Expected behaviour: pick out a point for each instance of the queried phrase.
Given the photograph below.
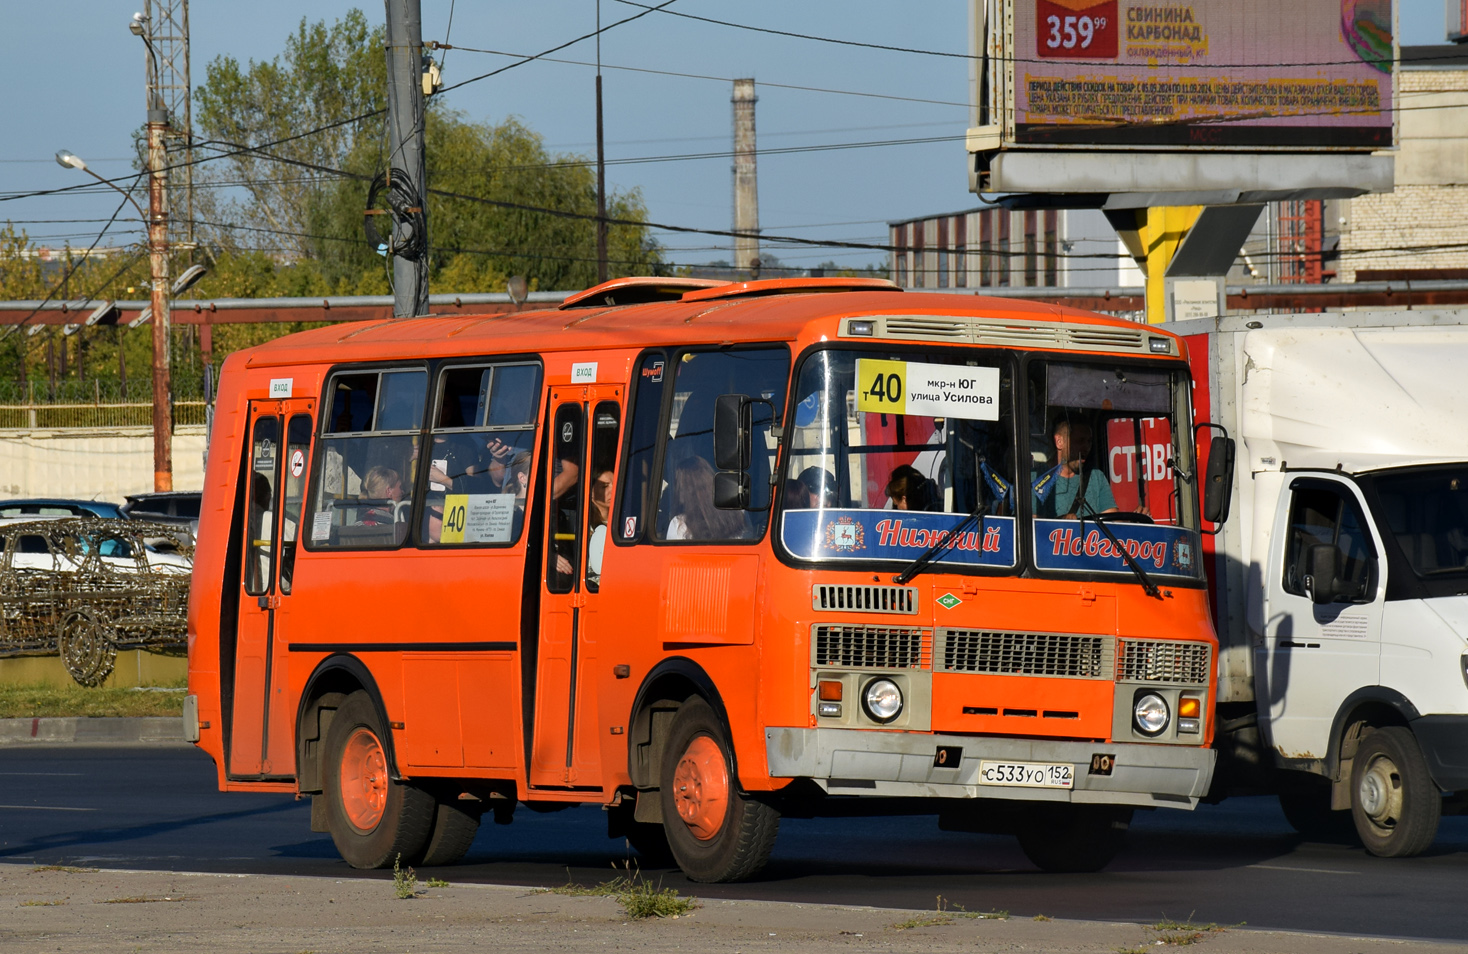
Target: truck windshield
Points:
(891, 452)
(1427, 511)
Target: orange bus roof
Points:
(759, 311)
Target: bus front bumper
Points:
(906, 765)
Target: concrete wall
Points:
(1429, 207)
(93, 464)
(134, 667)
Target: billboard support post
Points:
(1153, 236)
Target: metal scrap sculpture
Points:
(85, 588)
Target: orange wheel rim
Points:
(364, 779)
(701, 788)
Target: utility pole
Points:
(406, 170)
(601, 168)
(168, 29)
(746, 180)
(158, 258)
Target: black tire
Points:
(742, 842)
(407, 812)
(1305, 801)
(1064, 838)
(85, 643)
(1394, 801)
(454, 828)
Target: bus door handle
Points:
(268, 602)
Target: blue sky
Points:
(75, 76)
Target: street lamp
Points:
(70, 160)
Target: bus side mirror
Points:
(732, 438)
(731, 490)
(1218, 486)
(1322, 579)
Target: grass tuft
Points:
(436, 883)
(1042, 917)
(1172, 933)
(141, 899)
(43, 904)
(38, 700)
(404, 882)
(944, 914)
(638, 897)
(69, 869)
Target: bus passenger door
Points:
(262, 733)
(585, 427)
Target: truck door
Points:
(1314, 655)
(261, 730)
(577, 477)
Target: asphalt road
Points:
(156, 807)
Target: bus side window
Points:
(369, 459)
(642, 438)
(606, 426)
(686, 506)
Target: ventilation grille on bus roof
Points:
(865, 598)
(1004, 332)
(1025, 654)
(1171, 661)
(871, 647)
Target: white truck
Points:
(1340, 573)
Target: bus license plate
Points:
(1027, 774)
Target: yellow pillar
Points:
(1153, 242)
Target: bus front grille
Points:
(1169, 661)
(872, 647)
(1025, 654)
(865, 598)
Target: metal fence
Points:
(47, 416)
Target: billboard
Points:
(1224, 74)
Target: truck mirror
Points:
(1323, 571)
(731, 490)
(1218, 486)
(732, 437)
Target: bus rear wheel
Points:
(1064, 838)
(714, 832)
(373, 818)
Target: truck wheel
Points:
(713, 831)
(1394, 801)
(1063, 838)
(453, 832)
(372, 818)
(1305, 802)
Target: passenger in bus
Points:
(1071, 487)
(517, 481)
(695, 516)
(797, 497)
(908, 489)
(598, 519)
(456, 465)
(820, 485)
(382, 488)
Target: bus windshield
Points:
(891, 453)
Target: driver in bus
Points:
(1060, 491)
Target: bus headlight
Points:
(882, 700)
(1150, 714)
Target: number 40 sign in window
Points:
(927, 390)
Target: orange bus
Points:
(707, 554)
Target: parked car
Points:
(178, 507)
(53, 507)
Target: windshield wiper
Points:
(921, 563)
(1148, 586)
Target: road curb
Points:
(93, 730)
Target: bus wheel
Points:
(372, 818)
(1394, 801)
(453, 832)
(713, 831)
(1073, 838)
